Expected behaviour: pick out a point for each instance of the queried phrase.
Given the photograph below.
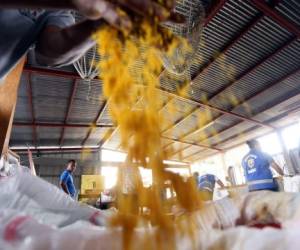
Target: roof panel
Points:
(74, 136)
(290, 10)
(50, 97)
(48, 136)
(96, 136)
(87, 102)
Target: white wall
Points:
(211, 165)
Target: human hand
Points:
(116, 12)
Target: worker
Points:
(196, 177)
(257, 170)
(206, 186)
(57, 39)
(231, 176)
(66, 179)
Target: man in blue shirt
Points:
(257, 170)
(206, 184)
(66, 179)
(49, 26)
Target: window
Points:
(110, 176)
(291, 136)
(180, 171)
(270, 144)
(212, 165)
(112, 156)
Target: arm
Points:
(276, 167)
(64, 187)
(95, 9)
(65, 4)
(62, 182)
(56, 46)
(220, 183)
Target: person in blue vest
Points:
(206, 185)
(66, 179)
(257, 168)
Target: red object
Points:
(263, 225)
(93, 217)
(10, 231)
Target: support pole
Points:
(8, 99)
(286, 154)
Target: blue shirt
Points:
(20, 30)
(257, 170)
(67, 178)
(207, 182)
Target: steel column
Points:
(69, 108)
(60, 125)
(102, 108)
(31, 108)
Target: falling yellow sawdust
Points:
(140, 129)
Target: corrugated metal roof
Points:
(48, 136)
(74, 136)
(50, 97)
(23, 112)
(96, 136)
(290, 10)
(87, 102)
(229, 21)
(260, 94)
(21, 136)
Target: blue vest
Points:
(207, 182)
(256, 166)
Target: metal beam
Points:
(106, 138)
(205, 157)
(241, 76)
(294, 72)
(244, 74)
(257, 94)
(191, 155)
(192, 144)
(228, 46)
(209, 106)
(100, 112)
(31, 108)
(69, 108)
(273, 14)
(206, 67)
(214, 12)
(180, 150)
(51, 72)
(256, 137)
(58, 149)
(254, 67)
(60, 125)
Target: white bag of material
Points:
(219, 214)
(16, 226)
(44, 201)
(83, 237)
(292, 184)
(283, 206)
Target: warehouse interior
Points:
(244, 79)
